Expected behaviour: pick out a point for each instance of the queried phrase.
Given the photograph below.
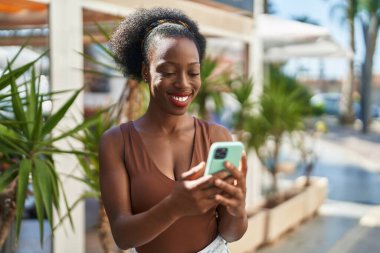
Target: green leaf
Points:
(66, 204)
(44, 178)
(69, 209)
(7, 177)
(31, 98)
(103, 31)
(51, 151)
(85, 124)
(22, 187)
(101, 73)
(52, 121)
(7, 77)
(18, 107)
(12, 145)
(55, 187)
(39, 204)
(37, 126)
(97, 62)
(104, 49)
(9, 65)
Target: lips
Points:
(180, 99)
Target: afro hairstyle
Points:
(135, 36)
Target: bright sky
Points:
(319, 10)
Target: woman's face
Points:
(173, 74)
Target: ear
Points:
(145, 73)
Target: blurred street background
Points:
(298, 82)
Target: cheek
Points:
(157, 85)
(197, 84)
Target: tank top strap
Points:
(202, 141)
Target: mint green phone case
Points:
(215, 160)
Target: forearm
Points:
(136, 230)
(232, 228)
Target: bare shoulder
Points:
(112, 133)
(112, 139)
(219, 133)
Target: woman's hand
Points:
(195, 193)
(233, 197)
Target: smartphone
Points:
(221, 152)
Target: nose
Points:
(182, 80)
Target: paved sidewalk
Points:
(349, 221)
(324, 232)
(364, 237)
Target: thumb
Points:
(195, 172)
(244, 166)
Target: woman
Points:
(151, 169)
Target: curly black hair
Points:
(137, 33)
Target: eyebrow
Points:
(174, 63)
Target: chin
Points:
(178, 112)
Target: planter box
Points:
(317, 193)
(267, 225)
(292, 212)
(285, 216)
(254, 236)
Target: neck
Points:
(155, 119)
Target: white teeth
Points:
(180, 99)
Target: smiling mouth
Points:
(180, 100)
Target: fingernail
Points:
(218, 182)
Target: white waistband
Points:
(219, 245)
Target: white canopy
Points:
(322, 47)
(285, 39)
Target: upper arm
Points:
(113, 177)
(219, 133)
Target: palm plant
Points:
(214, 82)
(27, 147)
(241, 89)
(350, 10)
(90, 138)
(282, 107)
(369, 16)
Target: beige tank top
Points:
(148, 186)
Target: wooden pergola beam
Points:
(212, 21)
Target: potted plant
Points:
(281, 110)
(314, 187)
(241, 89)
(27, 147)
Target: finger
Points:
(201, 183)
(228, 202)
(230, 180)
(211, 192)
(243, 164)
(194, 173)
(229, 189)
(222, 174)
(238, 175)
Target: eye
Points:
(194, 74)
(168, 74)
